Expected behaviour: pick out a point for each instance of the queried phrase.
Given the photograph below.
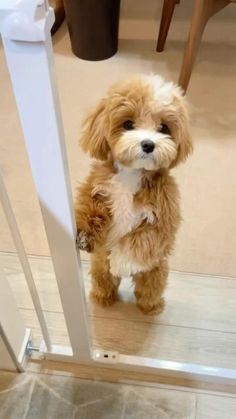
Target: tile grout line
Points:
(54, 392)
(14, 387)
(122, 416)
(32, 385)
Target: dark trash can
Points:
(93, 26)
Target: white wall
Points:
(6, 362)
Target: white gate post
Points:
(25, 27)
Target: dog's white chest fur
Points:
(124, 185)
(126, 216)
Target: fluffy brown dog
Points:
(127, 211)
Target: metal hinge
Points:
(33, 351)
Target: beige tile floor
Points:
(206, 241)
(31, 396)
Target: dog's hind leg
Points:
(104, 285)
(149, 287)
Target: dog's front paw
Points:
(149, 307)
(84, 241)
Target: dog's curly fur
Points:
(127, 211)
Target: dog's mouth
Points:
(145, 156)
(145, 161)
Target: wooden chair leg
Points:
(167, 13)
(203, 10)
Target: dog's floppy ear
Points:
(183, 136)
(94, 128)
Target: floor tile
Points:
(38, 396)
(15, 394)
(215, 407)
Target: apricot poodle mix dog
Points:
(127, 211)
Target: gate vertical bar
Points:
(6, 205)
(12, 329)
(28, 48)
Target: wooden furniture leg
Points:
(167, 13)
(203, 10)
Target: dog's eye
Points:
(164, 129)
(128, 125)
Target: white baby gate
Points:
(25, 28)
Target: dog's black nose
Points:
(147, 146)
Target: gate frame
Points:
(25, 27)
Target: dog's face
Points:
(141, 124)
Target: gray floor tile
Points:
(46, 403)
(215, 407)
(15, 392)
(54, 397)
(155, 403)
